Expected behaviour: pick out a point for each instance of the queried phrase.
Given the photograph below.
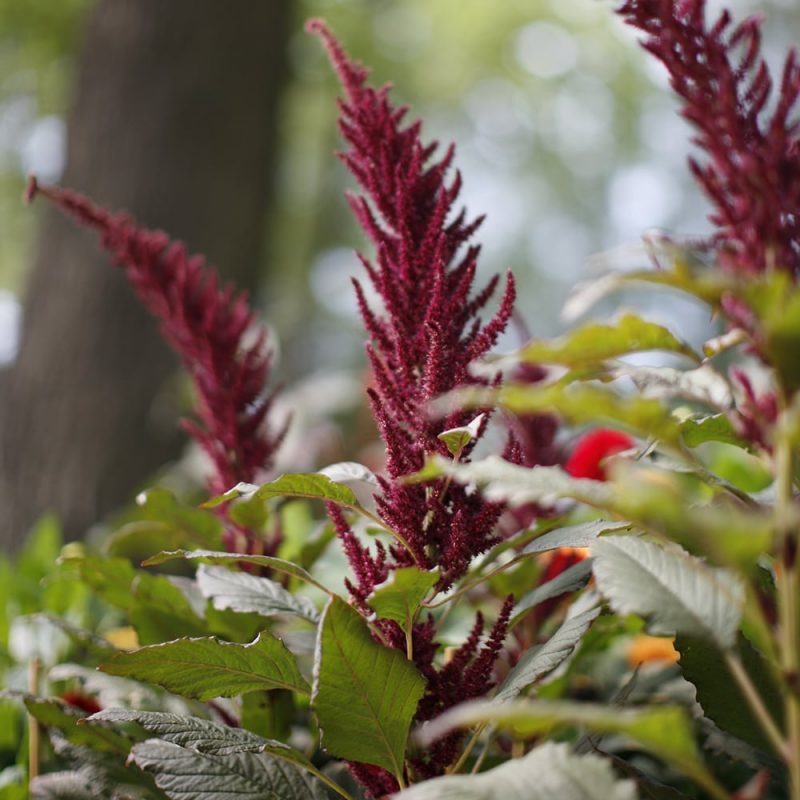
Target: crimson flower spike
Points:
(752, 171)
(430, 329)
(209, 326)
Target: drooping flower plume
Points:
(748, 133)
(210, 327)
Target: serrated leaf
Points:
(160, 522)
(500, 480)
(205, 668)
(570, 580)
(677, 592)
(665, 731)
(365, 694)
(198, 734)
(218, 557)
(457, 439)
(400, 596)
(716, 428)
(577, 403)
(580, 535)
(184, 774)
(536, 663)
(311, 486)
(159, 610)
(547, 772)
(702, 385)
(245, 593)
(718, 692)
(594, 342)
(53, 713)
(344, 471)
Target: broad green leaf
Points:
(577, 403)
(365, 694)
(345, 471)
(198, 734)
(240, 591)
(718, 692)
(500, 480)
(312, 486)
(547, 772)
(665, 731)
(160, 522)
(655, 499)
(716, 428)
(702, 385)
(538, 662)
(677, 592)
(400, 596)
(570, 580)
(185, 774)
(53, 713)
(218, 557)
(110, 578)
(160, 611)
(580, 535)
(457, 439)
(207, 668)
(596, 342)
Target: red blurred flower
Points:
(591, 452)
(82, 701)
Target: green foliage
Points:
(208, 667)
(365, 694)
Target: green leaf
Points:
(457, 439)
(346, 471)
(198, 734)
(577, 403)
(535, 663)
(716, 428)
(400, 596)
(547, 772)
(593, 343)
(570, 580)
(718, 692)
(312, 486)
(160, 611)
(184, 774)
(160, 522)
(208, 667)
(53, 713)
(501, 480)
(665, 731)
(365, 694)
(702, 385)
(676, 591)
(218, 557)
(580, 535)
(245, 593)
(110, 578)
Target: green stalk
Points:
(787, 601)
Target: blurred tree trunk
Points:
(174, 118)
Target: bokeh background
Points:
(217, 122)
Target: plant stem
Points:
(34, 669)
(467, 750)
(787, 600)
(757, 704)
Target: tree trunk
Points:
(174, 118)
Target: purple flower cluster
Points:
(420, 347)
(752, 171)
(210, 327)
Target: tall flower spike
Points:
(752, 172)
(430, 331)
(210, 327)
